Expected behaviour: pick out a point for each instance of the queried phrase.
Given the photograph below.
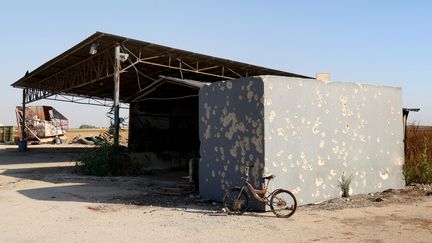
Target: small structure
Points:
(306, 132)
(7, 134)
(42, 123)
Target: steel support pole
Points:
(116, 104)
(22, 147)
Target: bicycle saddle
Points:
(269, 177)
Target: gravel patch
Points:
(411, 193)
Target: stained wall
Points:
(315, 132)
(231, 130)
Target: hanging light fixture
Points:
(93, 48)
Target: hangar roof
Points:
(87, 70)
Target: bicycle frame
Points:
(258, 194)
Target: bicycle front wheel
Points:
(235, 201)
(283, 203)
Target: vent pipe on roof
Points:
(324, 77)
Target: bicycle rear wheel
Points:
(235, 201)
(283, 203)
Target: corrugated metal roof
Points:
(78, 72)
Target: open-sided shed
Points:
(158, 84)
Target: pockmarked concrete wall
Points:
(317, 132)
(306, 132)
(231, 132)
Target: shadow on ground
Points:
(39, 155)
(29, 175)
(65, 185)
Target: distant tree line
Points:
(86, 126)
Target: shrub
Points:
(425, 164)
(344, 184)
(103, 160)
(107, 160)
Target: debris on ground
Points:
(406, 195)
(96, 207)
(378, 199)
(156, 197)
(92, 140)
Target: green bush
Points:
(410, 172)
(102, 160)
(107, 160)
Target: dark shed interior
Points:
(164, 125)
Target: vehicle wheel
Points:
(235, 201)
(283, 203)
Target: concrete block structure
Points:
(306, 132)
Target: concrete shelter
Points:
(306, 132)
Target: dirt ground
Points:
(42, 200)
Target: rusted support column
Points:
(405, 113)
(22, 147)
(116, 94)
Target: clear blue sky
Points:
(378, 42)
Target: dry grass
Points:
(418, 154)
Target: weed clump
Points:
(103, 160)
(106, 159)
(344, 184)
(418, 157)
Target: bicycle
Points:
(282, 202)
